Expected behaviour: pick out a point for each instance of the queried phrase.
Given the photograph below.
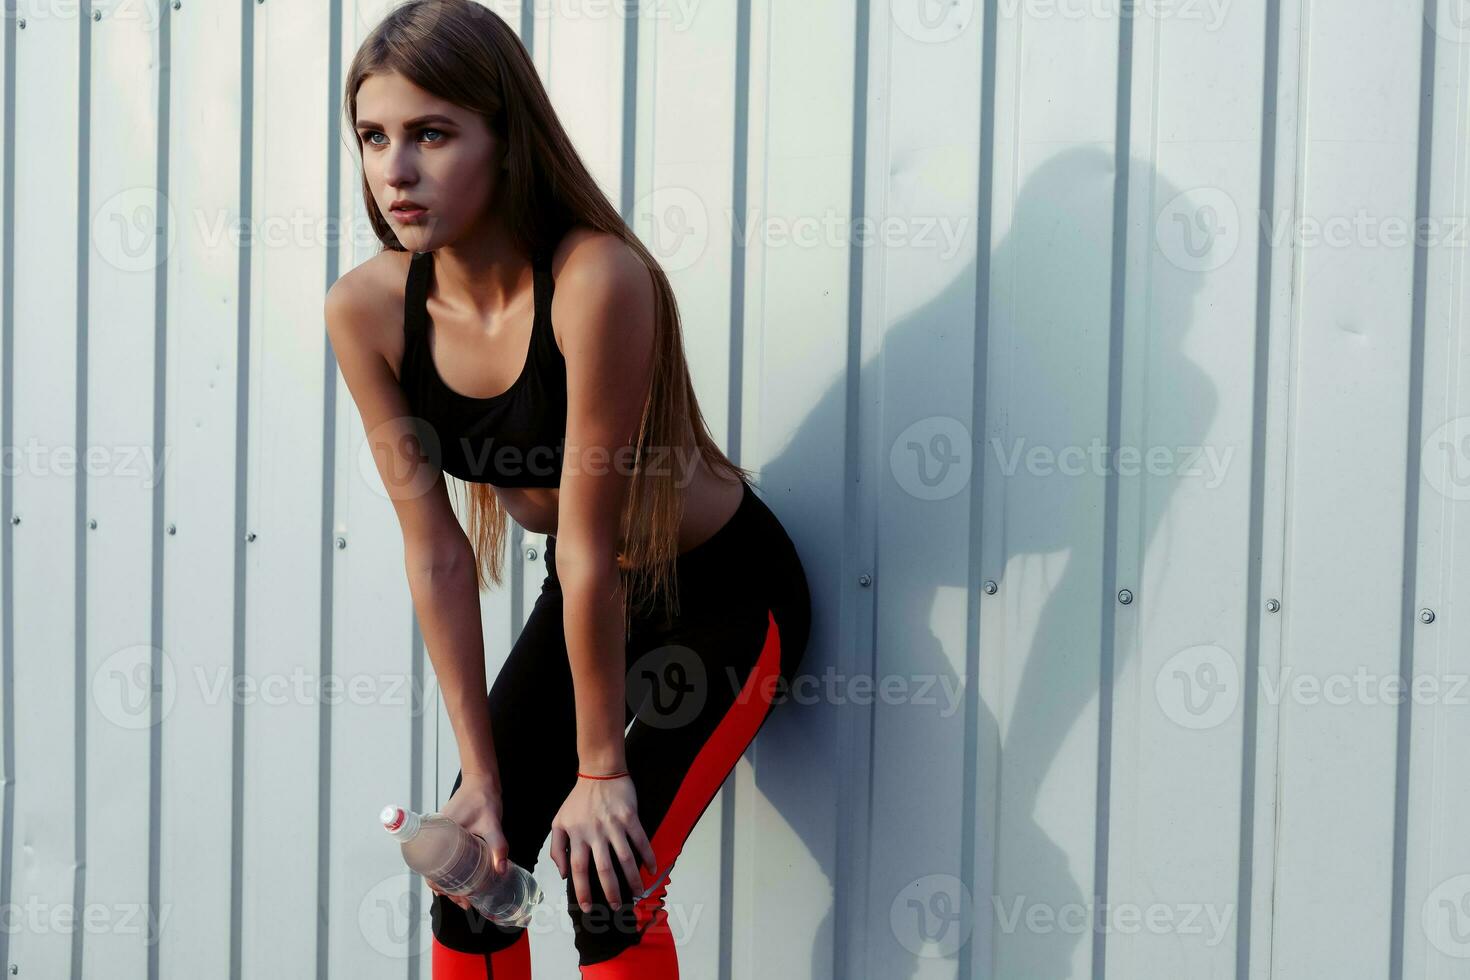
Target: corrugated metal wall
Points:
(1066, 714)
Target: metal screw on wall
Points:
(530, 554)
(990, 587)
(865, 580)
(250, 536)
(1273, 605)
(1426, 615)
(341, 542)
(15, 519)
(173, 529)
(22, 26)
(177, 4)
(1124, 596)
(96, 15)
(92, 524)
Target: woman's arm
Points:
(438, 559)
(604, 302)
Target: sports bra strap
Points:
(415, 295)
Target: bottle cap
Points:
(400, 821)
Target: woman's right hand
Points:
(475, 806)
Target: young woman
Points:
(516, 335)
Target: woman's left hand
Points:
(594, 828)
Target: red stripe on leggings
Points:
(511, 963)
(654, 958)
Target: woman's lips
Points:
(409, 214)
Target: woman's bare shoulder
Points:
(364, 307)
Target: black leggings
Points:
(700, 685)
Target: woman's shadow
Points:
(899, 884)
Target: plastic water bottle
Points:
(459, 863)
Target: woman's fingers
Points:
(602, 855)
(641, 844)
(580, 882)
(559, 844)
(625, 857)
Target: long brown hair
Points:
(466, 54)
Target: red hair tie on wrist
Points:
(611, 775)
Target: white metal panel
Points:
(8, 748)
(123, 261)
(46, 887)
(583, 73)
(284, 505)
(919, 366)
(1437, 858)
(196, 803)
(1186, 377)
(1345, 531)
(1048, 380)
(794, 418)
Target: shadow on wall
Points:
(1047, 363)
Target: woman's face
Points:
(438, 157)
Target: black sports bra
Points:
(513, 439)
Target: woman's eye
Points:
(368, 138)
(440, 132)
